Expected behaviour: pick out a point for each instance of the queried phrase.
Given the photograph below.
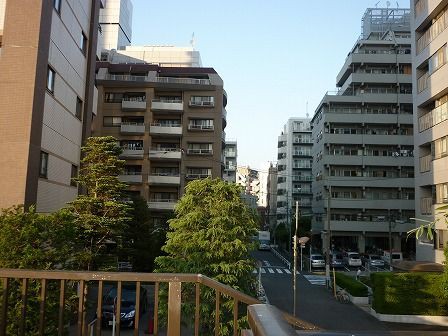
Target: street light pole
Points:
(390, 240)
(328, 238)
(295, 259)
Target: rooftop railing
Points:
(176, 80)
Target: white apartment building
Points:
(430, 79)
(294, 169)
(230, 160)
(363, 143)
(116, 24)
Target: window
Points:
(111, 121)
(43, 167)
(51, 74)
(83, 44)
(78, 108)
(57, 5)
(74, 175)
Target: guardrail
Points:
(282, 258)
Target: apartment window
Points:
(200, 148)
(201, 124)
(83, 44)
(78, 108)
(43, 166)
(442, 193)
(113, 97)
(202, 101)
(57, 5)
(111, 121)
(74, 175)
(51, 74)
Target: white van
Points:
(396, 256)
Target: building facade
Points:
(271, 207)
(116, 24)
(47, 66)
(230, 160)
(430, 37)
(363, 143)
(294, 166)
(170, 123)
(164, 56)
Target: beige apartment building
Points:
(47, 97)
(430, 34)
(170, 123)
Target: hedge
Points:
(354, 287)
(409, 294)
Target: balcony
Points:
(426, 206)
(165, 153)
(422, 82)
(162, 204)
(175, 105)
(260, 317)
(127, 78)
(133, 104)
(433, 117)
(131, 178)
(176, 80)
(299, 178)
(192, 127)
(164, 179)
(202, 103)
(197, 176)
(192, 151)
(162, 129)
(132, 128)
(135, 153)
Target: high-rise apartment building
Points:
(230, 160)
(116, 24)
(271, 207)
(363, 142)
(170, 123)
(430, 34)
(47, 97)
(249, 179)
(294, 169)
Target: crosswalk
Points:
(272, 270)
(315, 279)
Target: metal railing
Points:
(165, 125)
(162, 149)
(89, 296)
(197, 176)
(201, 127)
(132, 78)
(141, 99)
(200, 151)
(433, 117)
(201, 103)
(175, 80)
(170, 101)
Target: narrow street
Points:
(316, 304)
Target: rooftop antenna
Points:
(398, 6)
(376, 5)
(192, 41)
(307, 114)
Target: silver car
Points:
(317, 261)
(374, 260)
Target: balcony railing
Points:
(91, 287)
(132, 127)
(132, 152)
(175, 80)
(193, 151)
(197, 176)
(422, 82)
(133, 104)
(167, 104)
(193, 127)
(433, 31)
(433, 117)
(425, 163)
(131, 78)
(297, 178)
(202, 103)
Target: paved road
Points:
(317, 306)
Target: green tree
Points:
(100, 214)
(30, 240)
(210, 234)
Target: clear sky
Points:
(274, 56)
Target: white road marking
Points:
(316, 279)
(270, 270)
(287, 271)
(266, 263)
(254, 271)
(279, 271)
(263, 271)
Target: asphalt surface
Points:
(316, 305)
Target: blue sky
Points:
(274, 56)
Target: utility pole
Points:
(296, 239)
(328, 237)
(390, 240)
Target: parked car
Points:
(373, 260)
(337, 260)
(128, 296)
(317, 261)
(264, 246)
(396, 256)
(352, 259)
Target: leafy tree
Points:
(210, 234)
(100, 215)
(35, 241)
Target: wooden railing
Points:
(89, 314)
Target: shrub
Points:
(354, 287)
(408, 294)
